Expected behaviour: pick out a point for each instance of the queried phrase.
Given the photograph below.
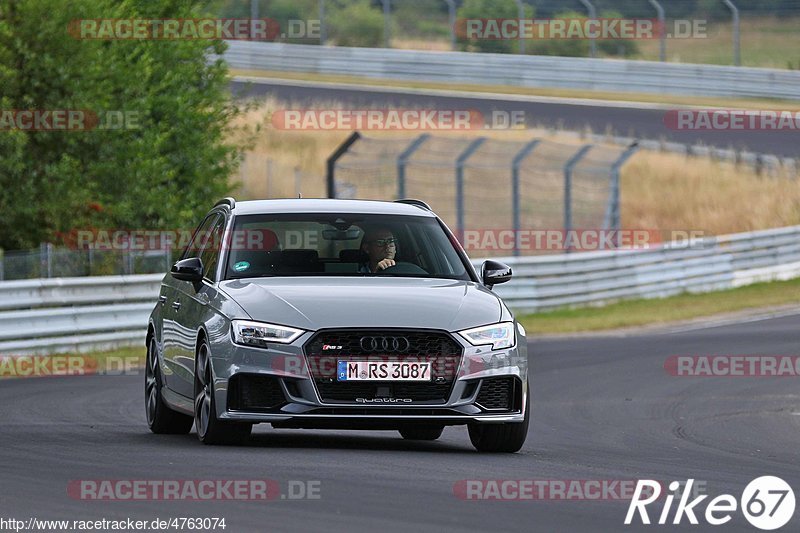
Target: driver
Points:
(380, 246)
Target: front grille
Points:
(253, 392)
(437, 347)
(498, 393)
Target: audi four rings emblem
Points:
(385, 344)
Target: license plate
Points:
(383, 371)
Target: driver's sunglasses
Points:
(385, 242)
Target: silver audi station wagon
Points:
(338, 314)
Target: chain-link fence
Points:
(49, 261)
(480, 184)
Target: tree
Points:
(164, 173)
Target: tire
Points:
(422, 432)
(211, 430)
(501, 438)
(160, 418)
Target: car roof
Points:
(328, 205)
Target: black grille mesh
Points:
(437, 347)
(252, 392)
(497, 393)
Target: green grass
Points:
(658, 311)
(111, 361)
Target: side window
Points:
(210, 254)
(200, 235)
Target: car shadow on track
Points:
(294, 439)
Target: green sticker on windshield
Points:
(241, 266)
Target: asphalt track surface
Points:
(604, 409)
(625, 121)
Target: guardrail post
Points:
(462, 159)
(339, 152)
(451, 17)
(402, 161)
(662, 23)
(2, 265)
(592, 15)
(515, 207)
(612, 219)
(568, 167)
(737, 58)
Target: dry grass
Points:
(659, 190)
(765, 42)
(670, 191)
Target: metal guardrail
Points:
(81, 314)
(518, 70)
(75, 314)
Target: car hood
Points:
(315, 303)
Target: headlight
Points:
(261, 334)
(498, 335)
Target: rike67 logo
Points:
(767, 503)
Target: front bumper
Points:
(294, 398)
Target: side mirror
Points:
(494, 272)
(190, 269)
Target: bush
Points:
(356, 23)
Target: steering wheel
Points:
(403, 268)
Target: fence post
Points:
(612, 218)
(253, 17)
(593, 16)
(402, 161)
(515, 207)
(521, 16)
(323, 34)
(339, 152)
(568, 167)
(387, 22)
(45, 261)
(737, 58)
(298, 180)
(462, 159)
(451, 17)
(662, 22)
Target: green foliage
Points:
(616, 47)
(355, 23)
(163, 174)
(489, 9)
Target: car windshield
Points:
(342, 245)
